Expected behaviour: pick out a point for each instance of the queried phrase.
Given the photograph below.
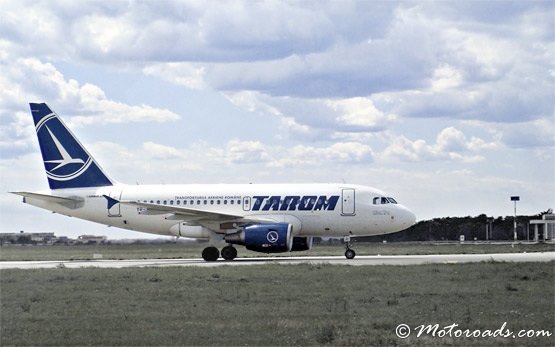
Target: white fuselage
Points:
(312, 209)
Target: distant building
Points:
(64, 240)
(547, 224)
(28, 238)
(88, 239)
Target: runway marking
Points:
(370, 260)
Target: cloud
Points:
(436, 59)
(17, 135)
(156, 162)
(484, 72)
(451, 144)
(291, 126)
(178, 31)
(87, 103)
(246, 152)
(190, 75)
(360, 112)
(339, 153)
(534, 134)
(316, 119)
(253, 102)
(25, 80)
(108, 111)
(158, 151)
(427, 61)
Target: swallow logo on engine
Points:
(272, 236)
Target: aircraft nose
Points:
(411, 218)
(407, 218)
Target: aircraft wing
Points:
(187, 213)
(192, 216)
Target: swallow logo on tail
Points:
(66, 161)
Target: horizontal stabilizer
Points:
(70, 202)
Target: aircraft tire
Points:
(210, 254)
(350, 254)
(229, 252)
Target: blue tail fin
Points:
(66, 161)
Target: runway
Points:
(332, 260)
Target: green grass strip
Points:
(271, 305)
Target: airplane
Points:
(269, 218)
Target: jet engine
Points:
(266, 238)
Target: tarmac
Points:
(331, 260)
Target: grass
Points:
(291, 305)
(153, 251)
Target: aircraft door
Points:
(114, 210)
(246, 203)
(348, 202)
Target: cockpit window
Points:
(381, 200)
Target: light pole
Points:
(489, 228)
(515, 199)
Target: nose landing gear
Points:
(349, 253)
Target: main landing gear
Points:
(229, 252)
(349, 253)
(212, 253)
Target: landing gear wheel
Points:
(349, 254)
(229, 252)
(210, 254)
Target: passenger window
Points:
(205, 202)
(225, 202)
(211, 202)
(178, 202)
(171, 202)
(198, 202)
(165, 202)
(231, 201)
(158, 202)
(218, 202)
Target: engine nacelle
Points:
(267, 238)
(301, 244)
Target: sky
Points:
(446, 105)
